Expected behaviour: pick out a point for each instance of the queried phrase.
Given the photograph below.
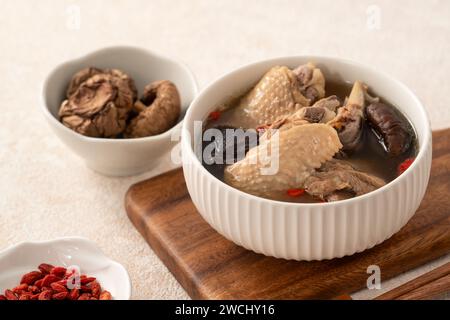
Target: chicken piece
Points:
(285, 160)
(315, 114)
(338, 180)
(350, 118)
(275, 96)
(332, 103)
(321, 112)
(312, 81)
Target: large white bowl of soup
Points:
(306, 157)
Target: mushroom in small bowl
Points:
(118, 107)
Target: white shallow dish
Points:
(307, 231)
(26, 256)
(118, 157)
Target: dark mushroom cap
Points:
(395, 129)
(98, 103)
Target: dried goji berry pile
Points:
(51, 283)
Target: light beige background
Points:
(47, 192)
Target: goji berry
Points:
(49, 279)
(10, 295)
(86, 280)
(45, 268)
(31, 277)
(105, 295)
(25, 296)
(84, 296)
(60, 272)
(62, 282)
(405, 165)
(95, 288)
(39, 283)
(35, 296)
(60, 296)
(58, 287)
(74, 294)
(295, 192)
(20, 288)
(45, 295)
(85, 289)
(51, 283)
(33, 289)
(214, 116)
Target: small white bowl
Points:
(74, 251)
(118, 157)
(307, 231)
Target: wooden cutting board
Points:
(210, 267)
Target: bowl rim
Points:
(423, 147)
(54, 121)
(21, 244)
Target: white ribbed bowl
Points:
(307, 231)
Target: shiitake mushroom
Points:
(229, 145)
(394, 130)
(98, 102)
(157, 111)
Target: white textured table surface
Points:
(47, 192)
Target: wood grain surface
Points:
(427, 286)
(210, 267)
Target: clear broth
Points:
(371, 157)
